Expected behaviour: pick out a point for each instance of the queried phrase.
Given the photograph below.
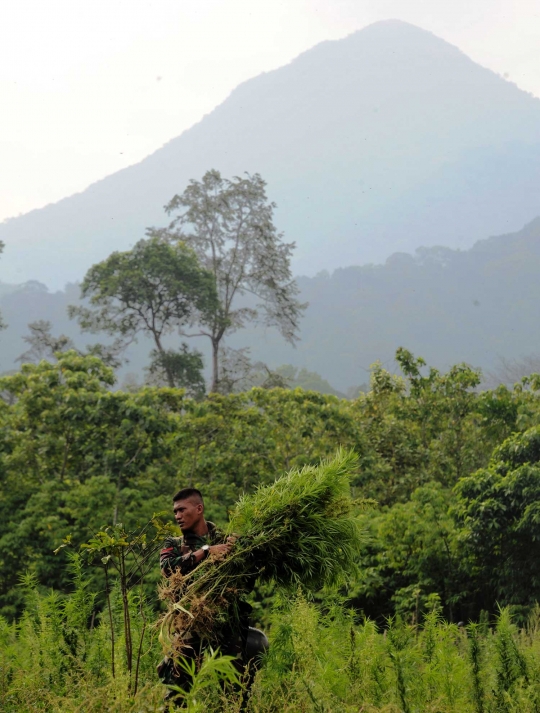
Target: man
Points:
(201, 539)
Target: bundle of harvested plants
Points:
(300, 530)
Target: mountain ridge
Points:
(443, 304)
(361, 141)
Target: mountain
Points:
(380, 142)
(446, 305)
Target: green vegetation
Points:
(57, 658)
(305, 379)
(229, 226)
(153, 290)
(449, 478)
(447, 305)
(76, 456)
(299, 531)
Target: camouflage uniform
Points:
(178, 554)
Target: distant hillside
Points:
(386, 140)
(445, 305)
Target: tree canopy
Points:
(155, 289)
(229, 224)
(453, 513)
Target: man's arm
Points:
(172, 559)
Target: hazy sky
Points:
(88, 87)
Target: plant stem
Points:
(110, 617)
(125, 606)
(139, 651)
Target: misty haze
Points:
(311, 314)
(386, 141)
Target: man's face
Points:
(187, 513)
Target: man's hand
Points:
(221, 550)
(224, 549)
(217, 551)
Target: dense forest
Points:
(365, 434)
(448, 480)
(432, 605)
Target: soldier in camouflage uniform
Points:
(200, 538)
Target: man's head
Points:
(188, 509)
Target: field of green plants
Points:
(322, 658)
(440, 615)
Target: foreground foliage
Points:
(76, 456)
(300, 530)
(322, 659)
(452, 533)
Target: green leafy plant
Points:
(301, 530)
(125, 558)
(213, 671)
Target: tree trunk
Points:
(160, 349)
(215, 366)
(108, 594)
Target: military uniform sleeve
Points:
(171, 558)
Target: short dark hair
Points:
(186, 493)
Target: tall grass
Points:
(300, 530)
(57, 658)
